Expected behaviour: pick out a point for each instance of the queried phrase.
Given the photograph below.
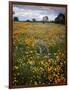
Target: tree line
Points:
(60, 19)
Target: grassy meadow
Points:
(39, 53)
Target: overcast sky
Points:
(24, 12)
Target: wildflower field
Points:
(39, 53)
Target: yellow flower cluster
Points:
(28, 41)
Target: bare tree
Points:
(45, 19)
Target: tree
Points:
(60, 19)
(28, 20)
(16, 19)
(33, 19)
(45, 19)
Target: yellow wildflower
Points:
(28, 41)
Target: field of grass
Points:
(39, 53)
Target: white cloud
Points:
(37, 12)
(27, 14)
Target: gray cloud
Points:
(24, 12)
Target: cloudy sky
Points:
(24, 12)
